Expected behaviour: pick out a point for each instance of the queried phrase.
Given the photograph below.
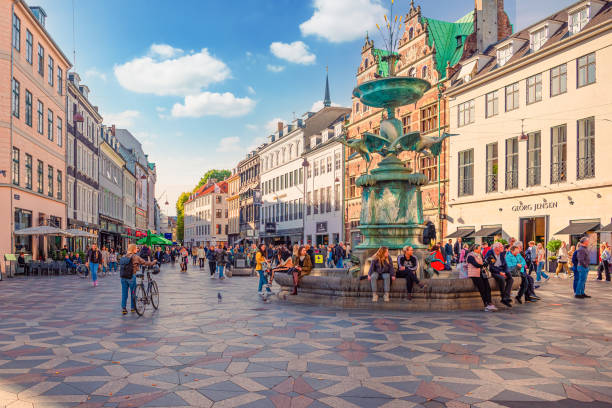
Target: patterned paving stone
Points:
(68, 345)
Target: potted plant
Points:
(553, 247)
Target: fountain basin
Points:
(391, 92)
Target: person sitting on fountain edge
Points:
(496, 261)
(381, 267)
(407, 267)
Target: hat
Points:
(583, 240)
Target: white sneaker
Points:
(492, 308)
(375, 298)
(386, 297)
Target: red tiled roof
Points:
(203, 190)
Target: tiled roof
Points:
(443, 36)
(562, 33)
(204, 190)
(323, 119)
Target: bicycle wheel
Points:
(154, 293)
(141, 299)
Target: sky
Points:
(202, 82)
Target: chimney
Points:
(486, 23)
(279, 127)
(113, 130)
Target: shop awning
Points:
(607, 228)
(578, 228)
(461, 233)
(488, 232)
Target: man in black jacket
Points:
(457, 249)
(339, 255)
(496, 261)
(407, 268)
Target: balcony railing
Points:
(533, 176)
(586, 168)
(491, 183)
(558, 172)
(466, 187)
(511, 180)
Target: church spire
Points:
(327, 100)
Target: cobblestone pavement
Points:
(65, 343)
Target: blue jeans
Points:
(449, 259)
(580, 283)
(125, 285)
(386, 282)
(93, 267)
(220, 270)
(340, 263)
(262, 281)
(540, 272)
(112, 266)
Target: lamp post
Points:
(305, 166)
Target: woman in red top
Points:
(438, 261)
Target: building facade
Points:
(111, 190)
(532, 112)
(83, 141)
(206, 215)
(426, 48)
(129, 207)
(324, 185)
(152, 220)
(249, 197)
(233, 207)
(33, 126)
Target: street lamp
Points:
(305, 166)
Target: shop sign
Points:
(544, 205)
(321, 227)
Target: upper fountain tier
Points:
(391, 92)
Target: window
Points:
(534, 89)
(28, 108)
(50, 124)
(558, 154)
(59, 185)
(322, 170)
(538, 39)
(466, 172)
(315, 202)
(308, 202)
(534, 158)
(411, 33)
(578, 20)
(466, 113)
(28, 167)
(512, 163)
(504, 54)
(406, 123)
(15, 98)
(329, 164)
(338, 161)
(558, 80)
(41, 128)
(492, 167)
(352, 187)
(23, 219)
(512, 97)
(59, 131)
(492, 103)
(51, 74)
(424, 72)
(586, 148)
(301, 175)
(337, 197)
(29, 46)
(41, 60)
(429, 167)
(429, 118)
(328, 199)
(16, 32)
(15, 166)
(40, 176)
(50, 181)
(586, 70)
(316, 168)
(412, 72)
(60, 81)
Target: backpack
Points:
(126, 269)
(575, 261)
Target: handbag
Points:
(516, 272)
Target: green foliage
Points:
(180, 216)
(218, 175)
(553, 246)
(503, 241)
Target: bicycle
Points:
(149, 294)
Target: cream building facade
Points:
(532, 114)
(233, 207)
(206, 215)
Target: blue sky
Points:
(201, 82)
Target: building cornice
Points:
(84, 101)
(109, 151)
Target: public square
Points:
(65, 343)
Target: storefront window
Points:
(23, 219)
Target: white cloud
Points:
(229, 144)
(213, 104)
(251, 126)
(275, 68)
(123, 119)
(255, 143)
(164, 51)
(272, 125)
(318, 105)
(183, 75)
(296, 52)
(251, 90)
(160, 109)
(94, 73)
(343, 20)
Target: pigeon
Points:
(219, 297)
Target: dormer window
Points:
(504, 54)
(538, 38)
(539, 34)
(579, 16)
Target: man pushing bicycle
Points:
(128, 267)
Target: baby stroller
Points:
(269, 275)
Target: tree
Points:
(180, 216)
(218, 175)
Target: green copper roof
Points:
(383, 65)
(443, 35)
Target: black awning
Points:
(461, 233)
(607, 228)
(488, 232)
(578, 228)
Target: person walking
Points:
(463, 261)
(201, 255)
(212, 262)
(479, 277)
(340, 254)
(457, 249)
(495, 260)
(448, 252)
(407, 268)
(130, 265)
(184, 258)
(93, 260)
(516, 263)
(221, 259)
(570, 263)
(381, 267)
(541, 263)
(261, 265)
(112, 260)
(104, 253)
(582, 268)
(301, 266)
(562, 260)
(604, 263)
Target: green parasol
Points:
(152, 239)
